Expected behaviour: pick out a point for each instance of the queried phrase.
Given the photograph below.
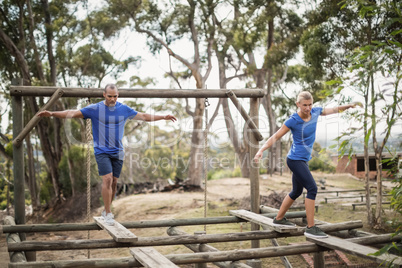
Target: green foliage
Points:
(77, 154)
(3, 194)
(217, 174)
(321, 160)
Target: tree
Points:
(39, 42)
(165, 24)
(379, 58)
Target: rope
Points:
(88, 137)
(205, 160)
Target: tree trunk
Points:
(33, 43)
(47, 149)
(239, 147)
(32, 185)
(70, 169)
(196, 153)
(49, 41)
(378, 211)
(366, 161)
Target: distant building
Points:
(356, 164)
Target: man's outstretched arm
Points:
(62, 114)
(151, 117)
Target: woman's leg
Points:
(286, 203)
(310, 209)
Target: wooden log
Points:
(117, 231)
(4, 255)
(192, 257)
(35, 119)
(261, 220)
(165, 241)
(188, 258)
(173, 231)
(319, 260)
(356, 249)
(284, 259)
(354, 205)
(254, 168)
(18, 163)
(134, 93)
(61, 227)
(151, 258)
(249, 120)
(14, 238)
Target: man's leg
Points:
(107, 191)
(114, 188)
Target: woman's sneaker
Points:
(315, 232)
(283, 222)
(109, 219)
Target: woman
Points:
(303, 125)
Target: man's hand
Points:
(45, 113)
(170, 117)
(257, 157)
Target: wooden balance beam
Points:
(117, 231)
(356, 249)
(354, 205)
(150, 258)
(261, 220)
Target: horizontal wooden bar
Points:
(188, 258)
(56, 227)
(166, 241)
(134, 93)
(174, 231)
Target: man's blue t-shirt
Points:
(303, 135)
(108, 126)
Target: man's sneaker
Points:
(283, 222)
(109, 219)
(315, 232)
(103, 214)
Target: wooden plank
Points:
(355, 249)
(151, 258)
(117, 231)
(261, 220)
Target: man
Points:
(108, 119)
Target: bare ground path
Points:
(223, 194)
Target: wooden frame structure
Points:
(149, 257)
(17, 91)
(197, 243)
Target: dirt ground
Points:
(222, 195)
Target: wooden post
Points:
(18, 160)
(200, 265)
(254, 263)
(254, 169)
(4, 255)
(35, 119)
(319, 260)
